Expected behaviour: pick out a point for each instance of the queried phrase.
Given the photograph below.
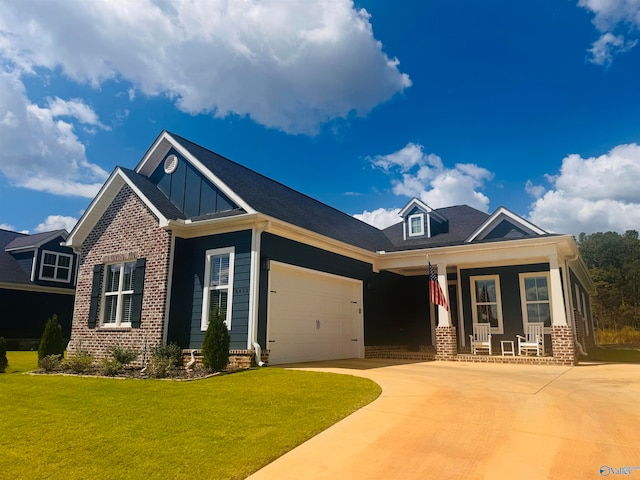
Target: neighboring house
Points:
(161, 245)
(37, 280)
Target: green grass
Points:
(225, 427)
(614, 353)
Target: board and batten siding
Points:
(188, 279)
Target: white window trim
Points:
(474, 303)
(204, 321)
(55, 272)
(523, 299)
(119, 293)
(410, 230)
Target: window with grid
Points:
(218, 281)
(118, 293)
(416, 225)
(55, 267)
(536, 301)
(487, 304)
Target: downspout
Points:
(255, 284)
(571, 308)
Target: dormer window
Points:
(416, 225)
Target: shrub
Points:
(51, 342)
(158, 367)
(79, 362)
(215, 348)
(172, 353)
(123, 355)
(110, 367)
(49, 363)
(4, 363)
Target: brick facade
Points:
(562, 346)
(127, 230)
(446, 343)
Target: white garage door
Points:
(313, 316)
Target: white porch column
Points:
(444, 317)
(559, 317)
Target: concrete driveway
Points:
(460, 420)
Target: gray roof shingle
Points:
(10, 270)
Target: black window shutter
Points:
(95, 295)
(138, 287)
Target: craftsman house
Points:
(187, 230)
(37, 280)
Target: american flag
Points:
(435, 292)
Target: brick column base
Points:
(446, 343)
(562, 346)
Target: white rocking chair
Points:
(481, 338)
(533, 341)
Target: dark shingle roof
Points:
(10, 270)
(35, 240)
(279, 201)
(463, 221)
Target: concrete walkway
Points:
(461, 420)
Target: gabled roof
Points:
(499, 219)
(463, 221)
(29, 242)
(255, 192)
(414, 202)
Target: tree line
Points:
(614, 263)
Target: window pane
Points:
(62, 274)
(219, 298)
(485, 291)
(536, 289)
(129, 276)
(48, 272)
(415, 225)
(488, 314)
(64, 261)
(49, 259)
(127, 302)
(113, 278)
(219, 270)
(110, 309)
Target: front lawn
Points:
(226, 427)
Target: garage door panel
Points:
(312, 316)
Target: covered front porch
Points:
(509, 287)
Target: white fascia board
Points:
(101, 203)
(213, 226)
(160, 148)
(488, 225)
(485, 254)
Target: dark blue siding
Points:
(395, 307)
(573, 280)
(186, 296)
(25, 260)
(510, 294)
(54, 246)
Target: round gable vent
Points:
(170, 164)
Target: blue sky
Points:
(529, 105)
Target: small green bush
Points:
(51, 342)
(4, 363)
(215, 348)
(50, 363)
(172, 353)
(123, 355)
(110, 367)
(79, 362)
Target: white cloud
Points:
(380, 218)
(57, 222)
(292, 65)
(611, 17)
(40, 150)
(6, 226)
(536, 191)
(592, 194)
(424, 176)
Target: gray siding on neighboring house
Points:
(186, 295)
(25, 260)
(395, 310)
(510, 294)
